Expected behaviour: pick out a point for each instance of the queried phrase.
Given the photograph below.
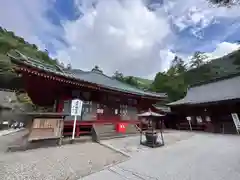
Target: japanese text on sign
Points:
(76, 107)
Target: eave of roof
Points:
(216, 79)
(216, 91)
(162, 108)
(102, 79)
(23, 60)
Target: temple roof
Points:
(102, 79)
(221, 89)
(94, 76)
(150, 114)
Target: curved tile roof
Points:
(102, 79)
(94, 77)
(220, 90)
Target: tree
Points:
(131, 81)
(177, 66)
(237, 59)
(173, 81)
(128, 79)
(119, 76)
(198, 59)
(34, 46)
(5, 65)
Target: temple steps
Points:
(108, 131)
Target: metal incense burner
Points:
(151, 126)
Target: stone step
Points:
(109, 131)
(117, 136)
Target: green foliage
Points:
(178, 78)
(119, 76)
(8, 42)
(173, 81)
(131, 81)
(237, 59)
(128, 79)
(143, 83)
(177, 66)
(197, 59)
(23, 98)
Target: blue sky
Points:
(136, 37)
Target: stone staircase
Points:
(108, 131)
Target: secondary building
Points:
(210, 106)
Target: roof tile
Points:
(225, 89)
(90, 76)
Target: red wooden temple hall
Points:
(106, 100)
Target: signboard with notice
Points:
(236, 121)
(76, 107)
(76, 110)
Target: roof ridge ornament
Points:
(97, 70)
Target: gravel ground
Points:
(7, 140)
(200, 157)
(131, 145)
(68, 162)
(9, 131)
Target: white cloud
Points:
(223, 49)
(198, 14)
(116, 35)
(124, 36)
(168, 56)
(27, 19)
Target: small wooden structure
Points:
(152, 134)
(45, 126)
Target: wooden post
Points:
(190, 125)
(161, 133)
(74, 127)
(223, 130)
(152, 133)
(189, 122)
(140, 131)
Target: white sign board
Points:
(199, 119)
(189, 122)
(76, 107)
(236, 121)
(76, 110)
(188, 118)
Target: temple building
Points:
(106, 100)
(212, 106)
